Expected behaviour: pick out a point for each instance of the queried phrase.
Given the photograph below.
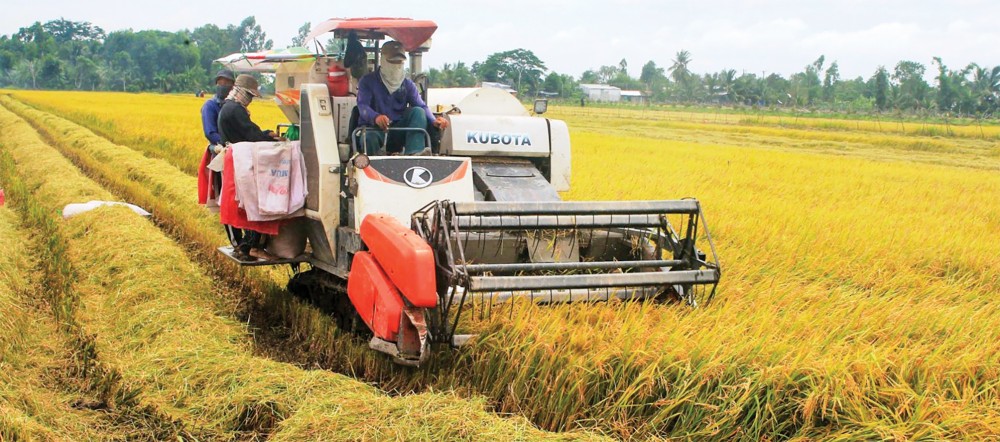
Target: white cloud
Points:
(572, 36)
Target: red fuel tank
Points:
(338, 81)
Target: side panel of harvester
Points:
(395, 273)
(487, 122)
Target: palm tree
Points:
(711, 83)
(679, 70)
(727, 83)
(680, 73)
(985, 86)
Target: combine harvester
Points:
(406, 244)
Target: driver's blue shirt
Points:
(374, 100)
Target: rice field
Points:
(860, 268)
(173, 354)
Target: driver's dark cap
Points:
(225, 73)
(392, 52)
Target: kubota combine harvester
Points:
(402, 245)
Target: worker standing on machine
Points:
(210, 182)
(234, 117)
(387, 99)
(224, 80)
(235, 125)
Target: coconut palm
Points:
(680, 73)
(985, 86)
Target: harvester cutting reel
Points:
(410, 287)
(488, 253)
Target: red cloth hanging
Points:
(204, 178)
(230, 211)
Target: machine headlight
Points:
(361, 161)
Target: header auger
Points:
(403, 247)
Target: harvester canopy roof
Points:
(411, 33)
(265, 61)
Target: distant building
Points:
(633, 97)
(601, 92)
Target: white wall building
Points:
(633, 96)
(601, 92)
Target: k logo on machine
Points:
(418, 177)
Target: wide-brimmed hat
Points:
(392, 52)
(246, 81)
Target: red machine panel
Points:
(405, 256)
(373, 295)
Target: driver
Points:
(387, 99)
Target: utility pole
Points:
(763, 87)
(519, 70)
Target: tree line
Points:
(64, 54)
(972, 90)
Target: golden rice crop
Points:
(885, 123)
(168, 127)
(32, 406)
(914, 147)
(147, 121)
(163, 336)
(857, 297)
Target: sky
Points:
(758, 36)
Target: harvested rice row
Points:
(151, 311)
(151, 143)
(33, 354)
(146, 122)
(724, 373)
(170, 195)
(52, 385)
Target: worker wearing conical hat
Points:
(387, 99)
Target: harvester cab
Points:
(401, 246)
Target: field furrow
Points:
(152, 314)
(36, 398)
(53, 384)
